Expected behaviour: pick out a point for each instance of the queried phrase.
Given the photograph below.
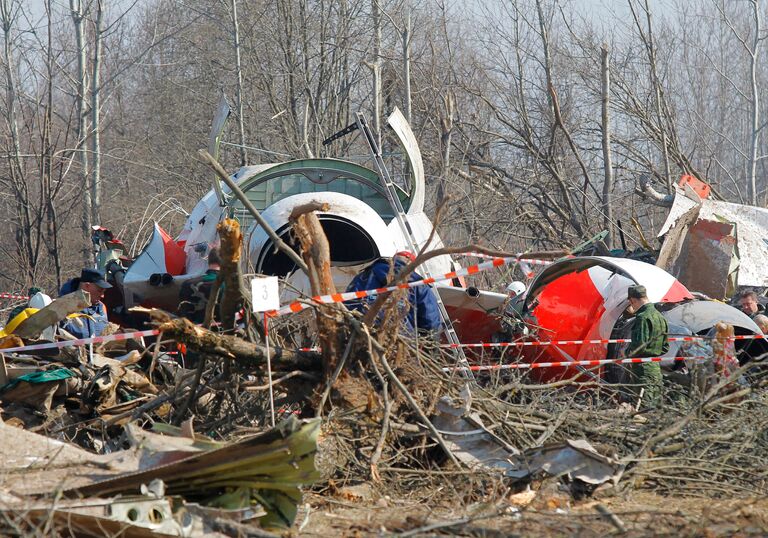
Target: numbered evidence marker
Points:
(266, 294)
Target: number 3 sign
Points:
(266, 294)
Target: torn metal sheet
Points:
(582, 299)
(699, 316)
(270, 468)
(661, 285)
(681, 205)
(145, 516)
(577, 459)
(467, 437)
(675, 238)
(136, 517)
(35, 464)
(702, 255)
(402, 129)
(751, 231)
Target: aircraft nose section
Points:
(356, 233)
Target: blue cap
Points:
(94, 276)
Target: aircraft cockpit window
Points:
(266, 193)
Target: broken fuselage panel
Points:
(360, 222)
(585, 298)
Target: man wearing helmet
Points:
(515, 289)
(511, 320)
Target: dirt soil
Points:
(639, 514)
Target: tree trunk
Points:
(231, 250)
(446, 133)
(245, 353)
(376, 68)
(651, 48)
(407, 62)
(316, 253)
(23, 229)
(606, 127)
(239, 89)
(52, 225)
(78, 18)
(95, 115)
(754, 108)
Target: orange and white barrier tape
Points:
(82, 341)
(748, 337)
(567, 342)
(298, 306)
(566, 364)
(519, 258)
(599, 341)
(13, 296)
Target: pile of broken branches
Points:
(394, 408)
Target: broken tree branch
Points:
(279, 243)
(409, 398)
(317, 256)
(234, 290)
(646, 191)
(241, 351)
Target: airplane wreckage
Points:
(576, 299)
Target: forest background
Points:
(538, 119)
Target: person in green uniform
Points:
(650, 338)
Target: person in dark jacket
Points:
(194, 293)
(423, 311)
(750, 305)
(93, 319)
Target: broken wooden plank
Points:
(58, 310)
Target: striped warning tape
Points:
(13, 296)
(566, 342)
(298, 306)
(83, 341)
(565, 364)
(519, 258)
(599, 341)
(154, 332)
(747, 337)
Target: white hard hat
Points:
(516, 287)
(39, 300)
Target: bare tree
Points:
(606, 142)
(753, 52)
(78, 13)
(646, 35)
(239, 86)
(96, 89)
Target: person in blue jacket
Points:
(423, 312)
(93, 320)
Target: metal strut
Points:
(405, 227)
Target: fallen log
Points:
(243, 353)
